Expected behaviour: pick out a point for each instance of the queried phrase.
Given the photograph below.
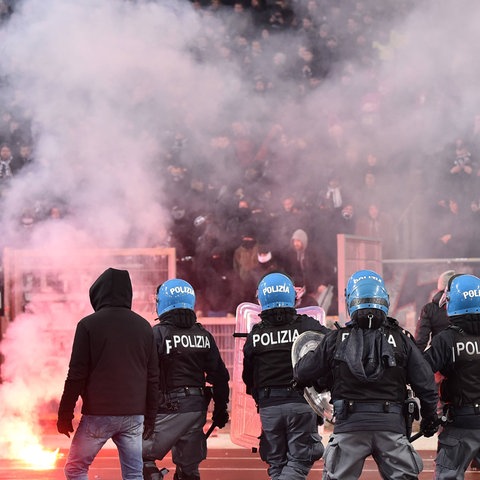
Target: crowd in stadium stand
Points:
(233, 232)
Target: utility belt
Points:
(464, 410)
(170, 399)
(282, 392)
(466, 416)
(343, 408)
(184, 392)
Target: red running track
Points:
(221, 464)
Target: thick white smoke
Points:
(103, 82)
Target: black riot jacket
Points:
(267, 358)
(337, 371)
(455, 353)
(189, 357)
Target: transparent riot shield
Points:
(245, 427)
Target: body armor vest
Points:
(182, 356)
(274, 369)
(462, 383)
(390, 387)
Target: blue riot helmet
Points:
(174, 293)
(362, 275)
(276, 290)
(366, 290)
(463, 295)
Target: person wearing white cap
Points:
(433, 315)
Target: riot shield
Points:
(319, 401)
(245, 426)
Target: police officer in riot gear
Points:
(188, 359)
(455, 353)
(367, 366)
(289, 442)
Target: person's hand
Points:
(220, 417)
(294, 385)
(148, 430)
(429, 426)
(64, 426)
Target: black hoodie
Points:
(113, 365)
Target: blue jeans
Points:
(93, 432)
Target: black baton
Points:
(210, 430)
(440, 421)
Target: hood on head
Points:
(113, 288)
(302, 236)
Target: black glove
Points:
(294, 385)
(220, 417)
(148, 430)
(429, 426)
(64, 426)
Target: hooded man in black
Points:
(114, 368)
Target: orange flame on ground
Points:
(38, 458)
(19, 442)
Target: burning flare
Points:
(18, 441)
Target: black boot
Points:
(181, 476)
(151, 472)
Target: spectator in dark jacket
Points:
(114, 368)
(308, 266)
(218, 292)
(433, 317)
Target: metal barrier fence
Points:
(37, 280)
(222, 328)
